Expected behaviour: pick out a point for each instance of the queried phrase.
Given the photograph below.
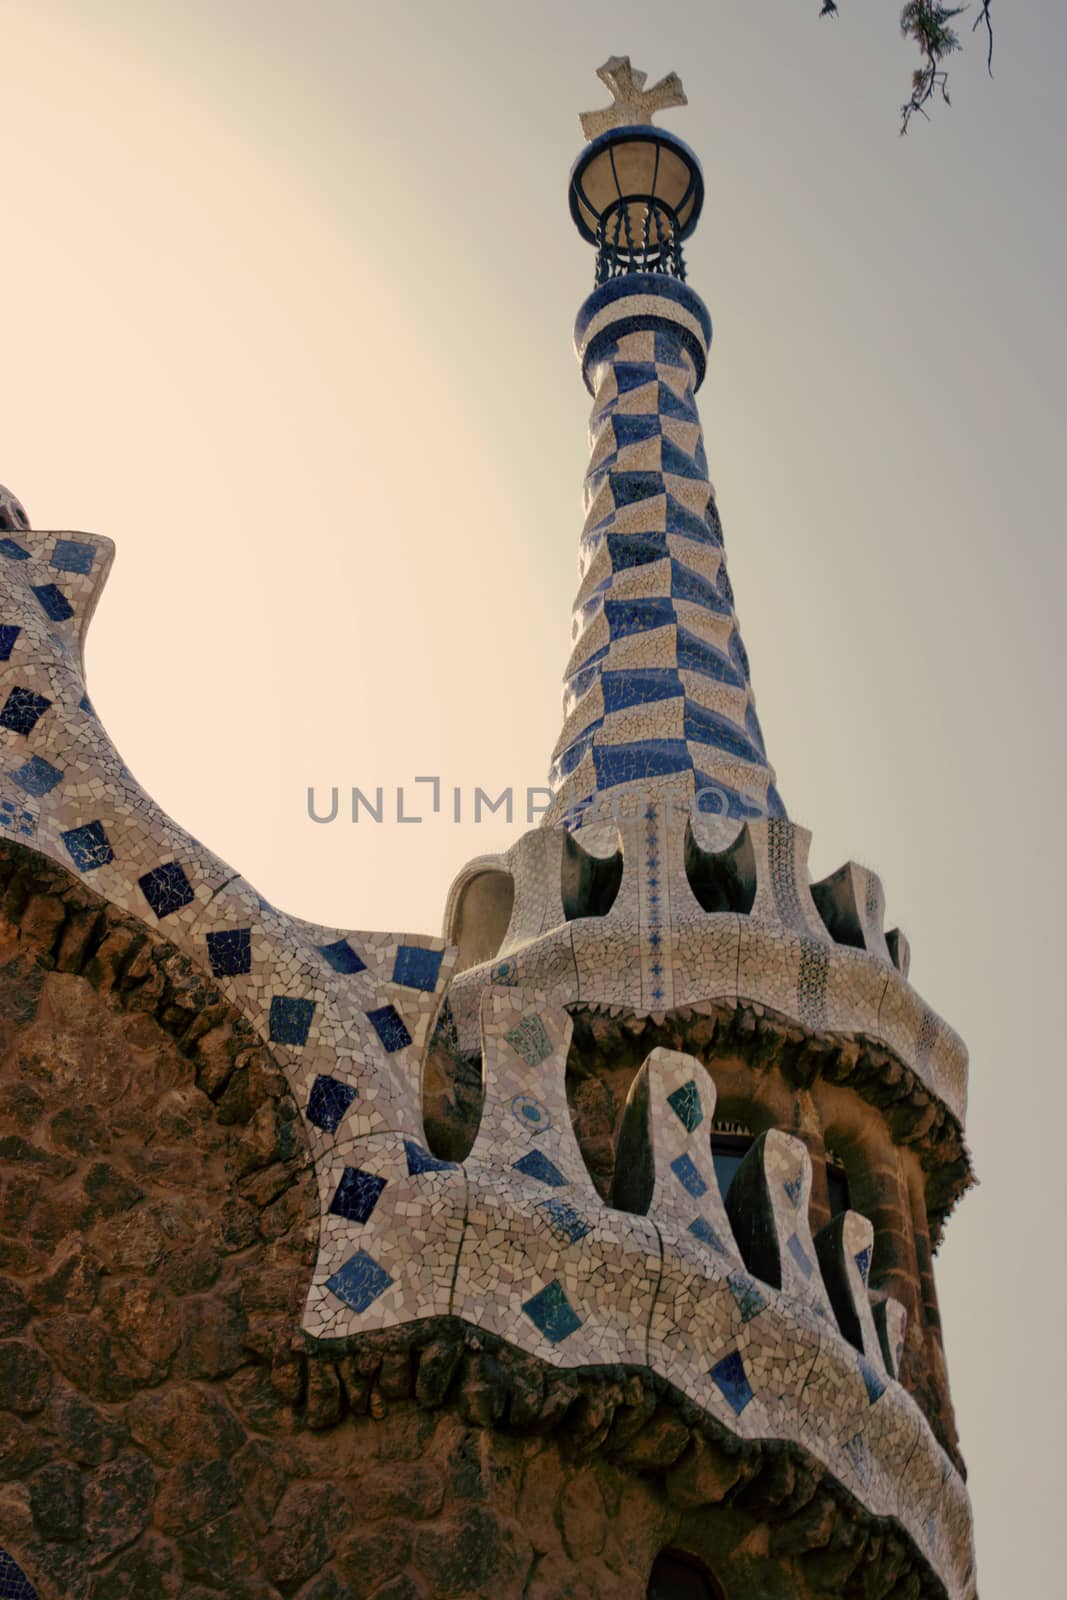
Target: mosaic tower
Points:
(584, 1252)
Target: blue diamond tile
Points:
(796, 1250)
(357, 1194)
(685, 1103)
(863, 1262)
(416, 967)
(688, 1176)
(88, 846)
(53, 602)
(37, 776)
(731, 1379)
(552, 1313)
(166, 888)
(230, 952)
(341, 957)
(703, 1231)
(290, 1019)
(872, 1381)
(794, 1189)
(856, 1450)
(328, 1101)
(70, 555)
(22, 710)
(13, 551)
(420, 1160)
(564, 1221)
(14, 1584)
(389, 1025)
(535, 1165)
(749, 1300)
(9, 632)
(359, 1282)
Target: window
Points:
(837, 1185)
(730, 1145)
(679, 1577)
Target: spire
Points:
(657, 697)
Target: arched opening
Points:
(721, 880)
(677, 1576)
(478, 916)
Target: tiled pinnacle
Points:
(657, 694)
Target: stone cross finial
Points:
(633, 103)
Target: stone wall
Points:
(161, 1435)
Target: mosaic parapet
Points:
(659, 907)
(347, 1015)
(768, 1331)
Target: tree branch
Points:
(929, 24)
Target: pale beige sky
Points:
(289, 290)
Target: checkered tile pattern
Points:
(658, 684)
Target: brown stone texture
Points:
(166, 1435)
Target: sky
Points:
(289, 292)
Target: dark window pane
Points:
(728, 1150)
(837, 1184)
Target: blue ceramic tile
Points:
(685, 1103)
(564, 1222)
(13, 551)
(230, 952)
(649, 758)
(37, 776)
(703, 1231)
(290, 1019)
(797, 1251)
(416, 967)
(531, 1113)
(9, 632)
(88, 846)
(688, 1176)
(731, 1379)
(341, 957)
(328, 1101)
(389, 1025)
(794, 1189)
(872, 1381)
(70, 555)
(744, 1290)
(357, 1194)
(856, 1450)
(534, 1164)
(552, 1313)
(627, 488)
(529, 1039)
(359, 1282)
(420, 1160)
(22, 710)
(14, 1584)
(640, 687)
(166, 888)
(53, 602)
(863, 1262)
